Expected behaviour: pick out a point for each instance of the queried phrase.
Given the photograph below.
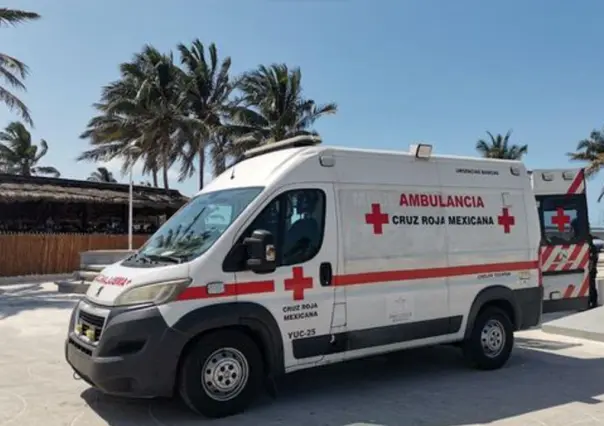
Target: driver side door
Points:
(302, 219)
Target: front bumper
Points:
(136, 355)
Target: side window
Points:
(303, 226)
(563, 219)
(268, 219)
(296, 219)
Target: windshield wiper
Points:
(162, 258)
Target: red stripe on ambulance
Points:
(569, 292)
(564, 257)
(428, 273)
(553, 259)
(231, 289)
(578, 184)
(258, 287)
(585, 285)
(573, 256)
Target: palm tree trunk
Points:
(165, 160)
(220, 165)
(202, 163)
(155, 183)
(165, 176)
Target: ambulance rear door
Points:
(564, 251)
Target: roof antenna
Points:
(233, 171)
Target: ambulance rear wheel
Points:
(491, 341)
(221, 374)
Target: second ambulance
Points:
(304, 255)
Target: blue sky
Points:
(401, 71)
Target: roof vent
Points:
(295, 142)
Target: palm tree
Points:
(13, 70)
(147, 107)
(591, 151)
(111, 133)
(272, 106)
(19, 156)
(499, 147)
(223, 148)
(101, 174)
(208, 89)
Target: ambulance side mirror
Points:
(261, 253)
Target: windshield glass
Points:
(195, 227)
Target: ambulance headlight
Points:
(156, 293)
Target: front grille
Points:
(94, 320)
(89, 327)
(79, 347)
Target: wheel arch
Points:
(499, 296)
(251, 318)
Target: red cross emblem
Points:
(560, 220)
(506, 220)
(377, 219)
(298, 283)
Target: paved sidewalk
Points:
(551, 380)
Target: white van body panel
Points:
(418, 244)
(558, 181)
(112, 281)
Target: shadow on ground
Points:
(21, 297)
(430, 386)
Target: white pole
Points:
(130, 218)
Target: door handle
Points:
(325, 274)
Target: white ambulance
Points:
(303, 255)
(564, 254)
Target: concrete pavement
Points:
(551, 380)
(586, 325)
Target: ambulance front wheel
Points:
(491, 341)
(221, 374)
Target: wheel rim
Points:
(492, 338)
(224, 374)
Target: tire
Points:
(218, 395)
(491, 341)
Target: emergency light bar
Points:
(295, 142)
(568, 175)
(422, 150)
(548, 177)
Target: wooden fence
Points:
(34, 254)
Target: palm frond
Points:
(14, 16)
(590, 151)
(46, 170)
(19, 155)
(499, 147)
(14, 103)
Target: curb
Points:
(573, 332)
(34, 279)
(78, 287)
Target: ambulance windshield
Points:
(195, 227)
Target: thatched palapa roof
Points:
(33, 188)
